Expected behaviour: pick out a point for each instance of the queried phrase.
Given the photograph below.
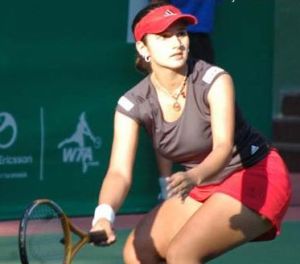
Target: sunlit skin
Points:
(168, 51)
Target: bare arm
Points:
(165, 169)
(164, 165)
(119, 175)
(118, 178)
(221, 101)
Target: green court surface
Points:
(284, 250)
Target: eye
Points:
(182, 33)
(168, 34)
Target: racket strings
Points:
(45, 236)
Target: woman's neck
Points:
(169, 79)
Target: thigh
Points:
(221, 224)
(148, 242)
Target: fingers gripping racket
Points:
(47, 235)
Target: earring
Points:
(147, 58)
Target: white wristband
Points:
(103, 211)
(163, 187)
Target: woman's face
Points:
(168, 49)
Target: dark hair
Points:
(140, 62)
(143, 12)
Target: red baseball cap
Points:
(159, 19)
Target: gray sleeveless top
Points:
(188, 140)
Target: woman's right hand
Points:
(105, 226)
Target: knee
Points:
(139, 252)
(129, 257)
(129, 254)
(180, 254)
(174, 254)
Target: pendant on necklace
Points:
(176, 106)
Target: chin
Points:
(177, 64)
(174, 64)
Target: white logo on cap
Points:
(169, 13)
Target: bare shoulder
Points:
(223, 79)
(123, 121)
(222, 89)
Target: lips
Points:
(177, 54)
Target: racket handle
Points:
(97, 237)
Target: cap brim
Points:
(160, 25)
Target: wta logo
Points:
(8, 130)
(78, 148)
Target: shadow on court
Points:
(284, 250)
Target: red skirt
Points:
(264, 188)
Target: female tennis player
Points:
(235, 188)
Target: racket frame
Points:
(70, 249)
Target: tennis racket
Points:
(47, 235)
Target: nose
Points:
(176, 41)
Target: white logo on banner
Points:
(82, 153)
(8, 136)
(7, 122)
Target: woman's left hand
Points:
(180, 184)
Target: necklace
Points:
(179, 91)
